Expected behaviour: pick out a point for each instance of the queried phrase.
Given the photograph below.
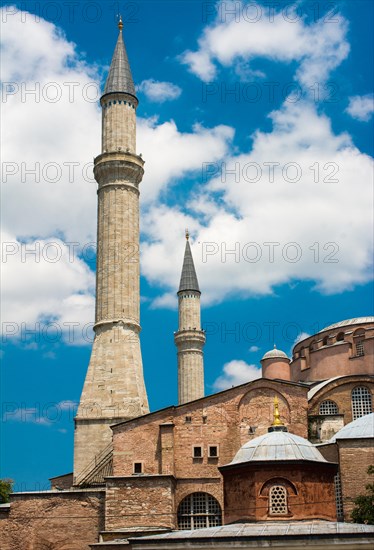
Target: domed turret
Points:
(276, 365)
(278, 476)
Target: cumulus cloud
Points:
(49, 101)
(318, 47)
(236, 372)
(172, 154)
(253, 349)
(297, 206)
(159, 92)
(361, 107)
(51, 132)
(46, 292)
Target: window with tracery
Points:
(361, 402)
(278, 500)
(199, 510)
(328, 407)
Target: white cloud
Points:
(44, 292)
(300, 337)
(159, 92)
(47, 137)
(361, 107)
(253, 349)
(171, 154)
(44, 135)
(236, 372)
(318, 47)
(230, 212)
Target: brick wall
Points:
(310, 491)
(139, 501)
(53, 520)
(355, 456)
(340, 391)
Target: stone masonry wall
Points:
(53, 520)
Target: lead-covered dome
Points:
(275, 353)
(361, 428)
(278, 446)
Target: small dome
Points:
(275, 353)
(278, 445)
(361, 428)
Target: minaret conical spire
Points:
(188, 277)
(189, 338)
(114, 388)
(120, 77)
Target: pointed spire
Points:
(188, 278)
(119, 77)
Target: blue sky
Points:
(186, 57)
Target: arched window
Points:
(312, 346)
(278, 501)
(328, 407)
(361, 402)
(325, 341)
(199, 510)
(340, 337)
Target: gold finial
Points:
(277, 421)
(187, 234)
(120, 24)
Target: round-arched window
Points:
(328, 407)
(278, 501)
(361, 402)
(199, 510)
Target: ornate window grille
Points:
(338, 497)
(199, 510)
(359, 348)
(328, 407)
(278, 501)
(361, 402)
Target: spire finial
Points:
(120, 23)
(277, 421)
(187, 234)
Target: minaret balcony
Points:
(118, 168)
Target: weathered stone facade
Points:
(114, 388)
(55, 520)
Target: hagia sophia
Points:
(277, 461)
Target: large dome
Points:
(278, 445)
(363, 427)
(349, 322)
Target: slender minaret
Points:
(189, 339)
(114, 388)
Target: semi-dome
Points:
(275, 353)
(363, 427)
(278, 446)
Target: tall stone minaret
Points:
(189, 339)
(114, 388)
